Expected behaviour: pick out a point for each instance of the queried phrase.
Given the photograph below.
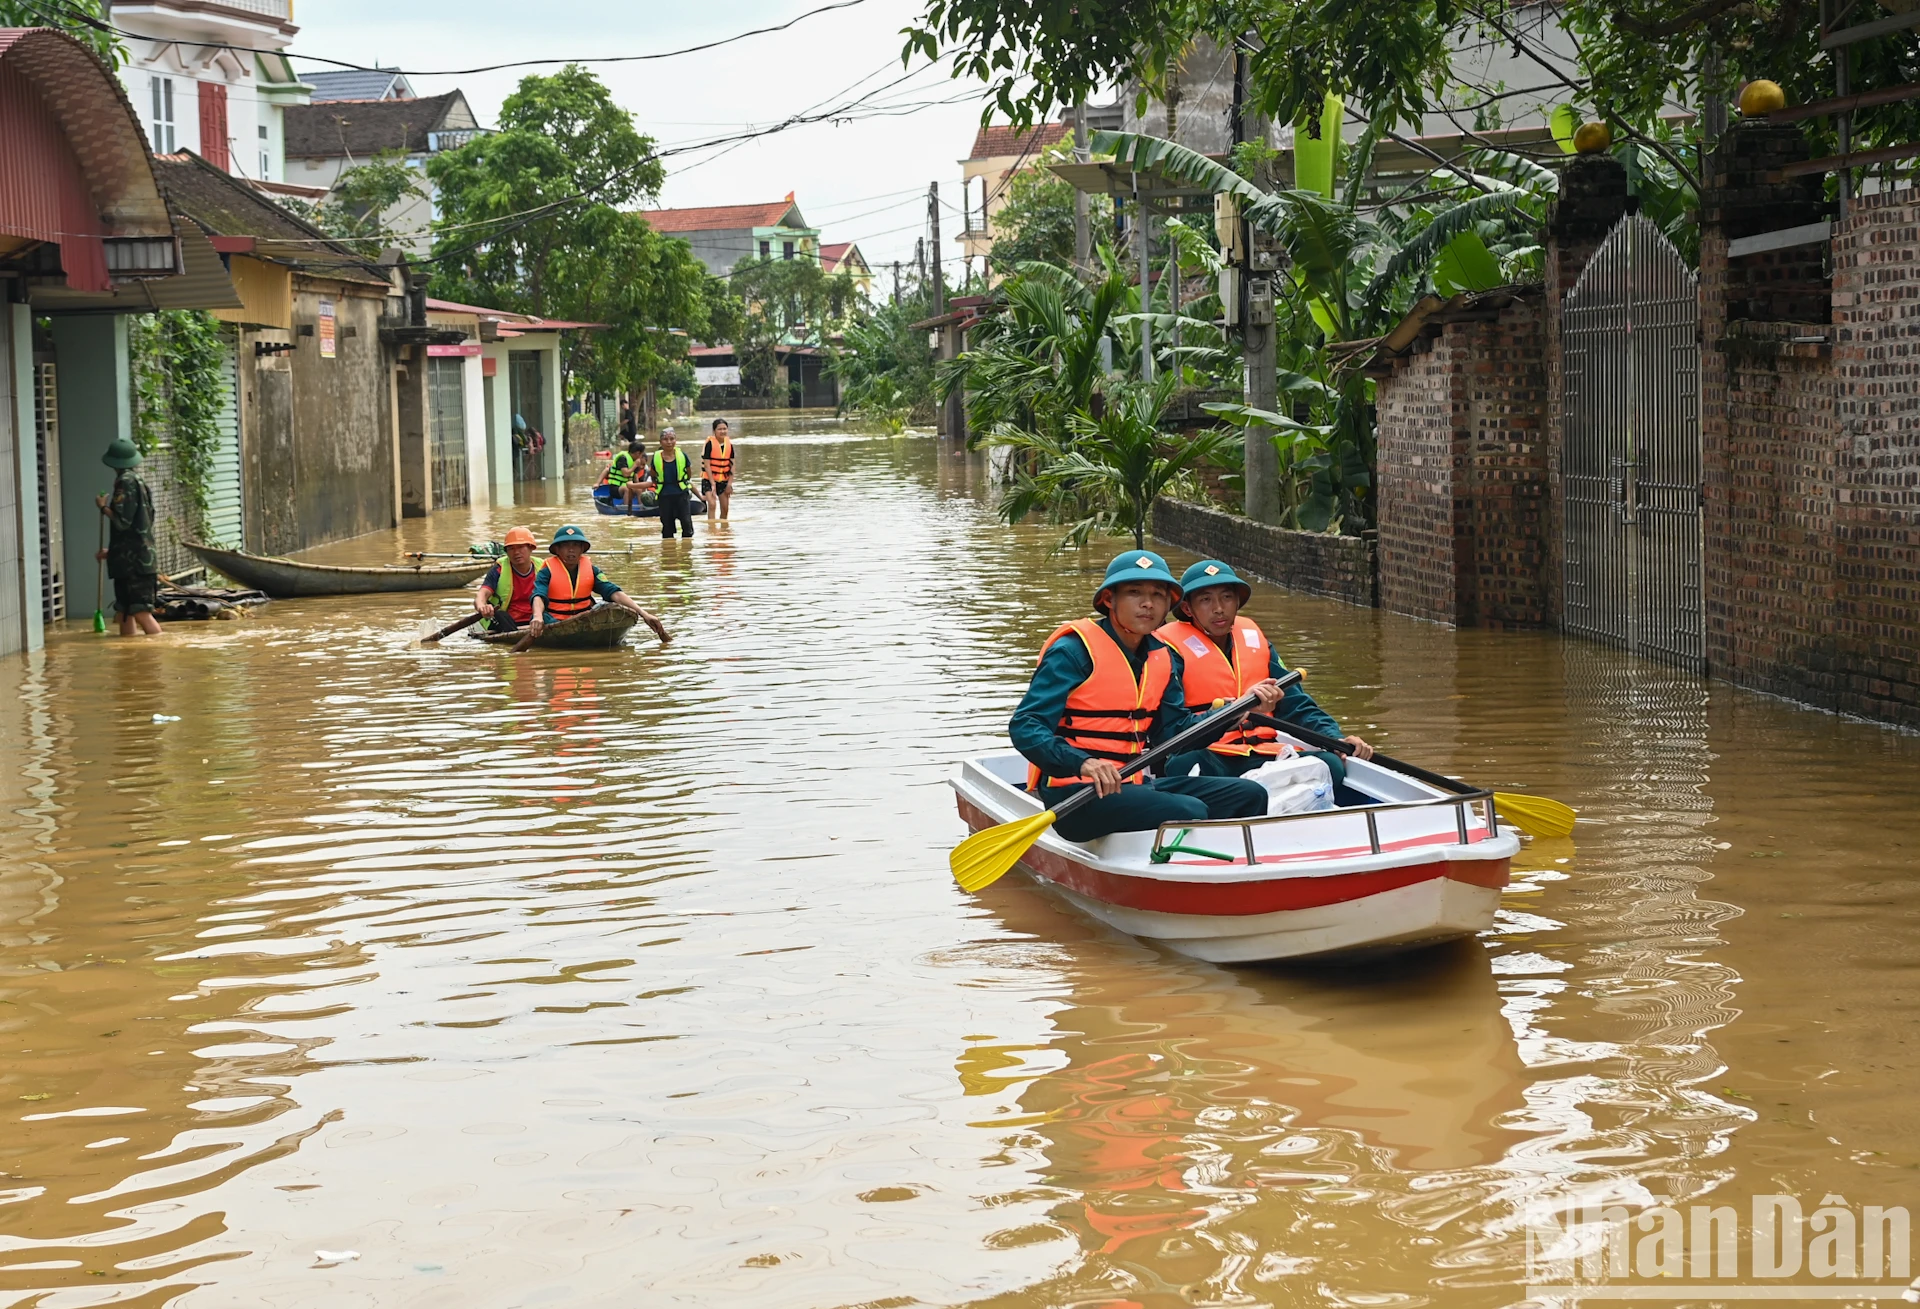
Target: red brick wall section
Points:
(1876, 459)
(1319, 563)
(1504, 521)
(1420, 429)
(1463, 474)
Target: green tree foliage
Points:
(1106, 474)
(885, 364)
(83, 20)
(790, 302)
(1036, 223)
(534, 218)
(180, 391)
(1040, 56)
(355, 211)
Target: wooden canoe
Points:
(287, 578)
(601, 628)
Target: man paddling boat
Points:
(1106, 689)
(1224, 656)
(505, 597)
(568, 582)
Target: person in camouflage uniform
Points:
(131, 562)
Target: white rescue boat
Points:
(1420, 866)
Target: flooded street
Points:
(636, 978)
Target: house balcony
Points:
(202, 22)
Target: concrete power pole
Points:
(939, 275)
(1142, 240)
(1260, 260)
(1082, 235)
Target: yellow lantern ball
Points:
(1761, 97)
(1592, 138)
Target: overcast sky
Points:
(864, 180)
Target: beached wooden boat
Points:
(285, 579)
(603, 500)
(1422, 865)
(601, 628)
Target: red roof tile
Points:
(718, 217)
(1009, 142)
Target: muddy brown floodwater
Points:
(636, 978)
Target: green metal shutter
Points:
(223, 500)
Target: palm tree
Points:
(1110, 469)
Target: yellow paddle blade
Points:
(985, 857)
(1535, 814)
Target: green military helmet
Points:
(570, 533)
(121, 454)
(1213, 572)
(1134, 566)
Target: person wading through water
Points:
(567, 583)
(131, 562)
(1224, 656)
(716, 469)
(670, 473)
(623, 474)
(505, 597)
(1106, 689)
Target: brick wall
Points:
(1810, 400)
(1876, 459)
(1418, 409)
(1318, 563)
(1463, 470)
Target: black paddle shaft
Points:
(1320, 742)
(1201, 732)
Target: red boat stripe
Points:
(1232, 899)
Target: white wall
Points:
(479, 461)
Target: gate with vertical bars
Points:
(1631, 462)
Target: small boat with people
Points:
(287, 579)
(607, 501)
(600, 628)
(1415, 866)
(1172, 778)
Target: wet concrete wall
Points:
(1318, 563)
(317, 461)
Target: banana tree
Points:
(1346, 275)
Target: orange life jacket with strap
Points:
(513, 592)
(719, 459)
(568, 595)
(1110, 714)
(1210, 675)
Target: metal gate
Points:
(1632, 457)
(53, 544)
(447, 430)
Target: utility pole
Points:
(1255, 272)
(896, 282)
(1141, 223)
(1082, 236)
(939, 278)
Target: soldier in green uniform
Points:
(131, 562)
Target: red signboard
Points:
(469, 349)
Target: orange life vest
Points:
(1110, 714)
(568, 595)
(1208, 675)
(515, 595)
(719, 459)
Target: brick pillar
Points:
(1767, 422)
(1593, 198)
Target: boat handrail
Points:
(1461, 805)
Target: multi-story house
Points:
(328, 137)
(724, 235)
(211, 76)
